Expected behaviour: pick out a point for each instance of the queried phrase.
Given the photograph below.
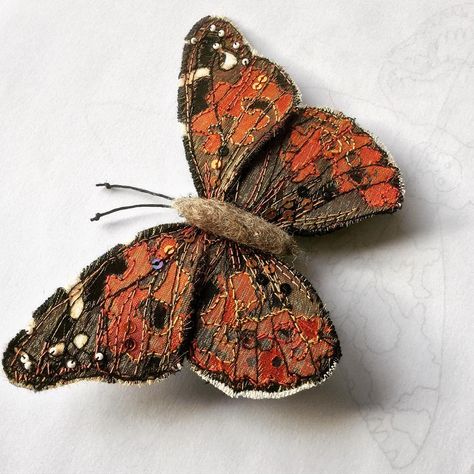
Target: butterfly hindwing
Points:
(261, 329)
(125, 319)
(229, 102)
(321, 173)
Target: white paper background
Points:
(87, 93)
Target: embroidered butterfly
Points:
(244, 319)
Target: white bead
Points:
(99, 356)
(245, 61)
(70, 364)
(221, 33)
(194, 40)
(28, 365)
(24, 358)
(216, 45)
(236, 45)
(212, 27)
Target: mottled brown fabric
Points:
(226, 220)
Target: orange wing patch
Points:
(235, 109)
(325, 173)
(128, 331)
(230, 101)
(125, 319)
(323, 137)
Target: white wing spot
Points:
(193, 76)
(183, 129)
(80, 340)
(57, 349)
(75, 301)
(30, 326)
(229, 62)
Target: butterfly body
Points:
(226, 220)
(214, 290)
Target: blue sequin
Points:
(157, 264)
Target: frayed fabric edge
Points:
(261, 394)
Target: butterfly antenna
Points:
(102, 214)
(140, 190)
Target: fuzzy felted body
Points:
(224, 219)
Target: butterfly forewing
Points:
(230, 101)
(261, 329)
(320, 173)
(125, 319)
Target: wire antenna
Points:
(140, 190)
(102, 214)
